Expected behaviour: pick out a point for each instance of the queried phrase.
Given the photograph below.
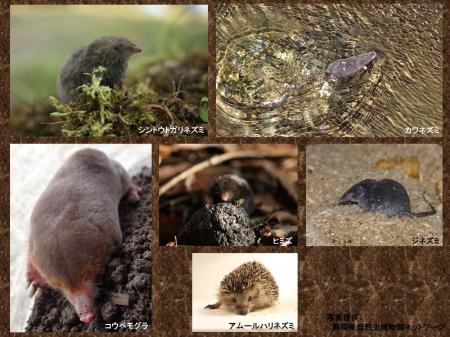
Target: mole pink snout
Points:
(225, 196)
(87, 318)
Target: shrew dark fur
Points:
(110, 52)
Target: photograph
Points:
(374, 195)
(362, 70)
(109, 70)
(244, 292)
(228, 195)
(80, 242)
(225, 168)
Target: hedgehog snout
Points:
(242, 309)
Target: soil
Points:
(222, 224)
(333, 169)
(128, 274)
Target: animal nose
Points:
(225, 196)
(87, 318)
(243, 312)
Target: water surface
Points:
(271, 62)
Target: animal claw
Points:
(134, 194)
(34, 289)
(239, 202)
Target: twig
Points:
(270, 169)
(51, 123)
(162, 109)
(213, 161)
(119, 299)
(175, 201)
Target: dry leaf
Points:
(388, 164)
(409, 165)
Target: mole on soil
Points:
(110, 52)
(386, 196)
(75, 227)
(247, 288)
(233, 189)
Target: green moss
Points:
(100, 111)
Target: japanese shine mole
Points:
(75, 227)
(386, 196)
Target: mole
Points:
(110, 52)
(233, 189)
(385, 196)
(75, 227)
(348, 66)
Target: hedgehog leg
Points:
(214, 306)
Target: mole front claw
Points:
(208, 201)
(34, 278)
(133, 194)
(239, 202)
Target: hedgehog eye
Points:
(249, 298)
(234, 300)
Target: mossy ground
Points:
(165, 93)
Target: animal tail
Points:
(426, 213)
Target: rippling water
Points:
(271, 62)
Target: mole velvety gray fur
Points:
(348, 66)
(110, 52)
(75, 227)
(386, 196)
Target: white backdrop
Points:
(31, 168)
(208, 270)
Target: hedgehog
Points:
(247, 288)
(110, 52)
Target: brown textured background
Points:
(382, 284)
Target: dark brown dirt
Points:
(128, 273)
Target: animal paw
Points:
(133, 194)
(214, 306)
(34, 278)
(239, 202)
(208, 202)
